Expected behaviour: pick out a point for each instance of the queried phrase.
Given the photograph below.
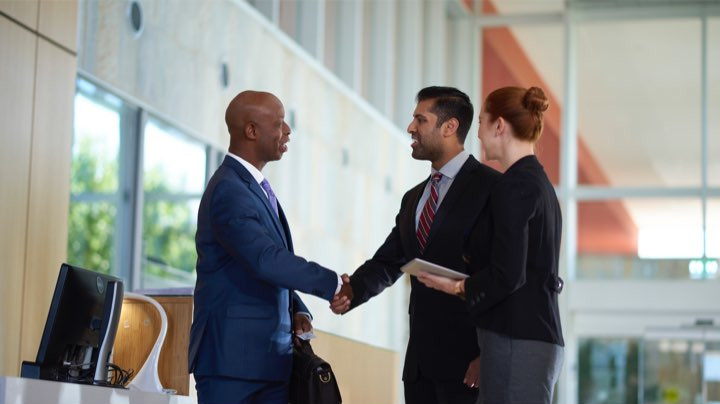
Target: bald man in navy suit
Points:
(246, 309)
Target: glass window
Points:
(712, 241)
(671, 369)
(289, 17)
(608, 370)
(331, 35)
(713, 69)
(107, 202)
(519, 7)
(265, 7)
(174, 172)
(711, 366)
(93, 231)
(346, 26)
(638, 119)
(642, 238)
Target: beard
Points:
(426, 153)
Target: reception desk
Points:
(366, 374)
(17, 390)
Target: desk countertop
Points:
(17, 390)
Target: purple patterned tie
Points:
(271, 195)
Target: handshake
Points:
(340, 303)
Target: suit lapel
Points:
(255, 189)
(453, 194)
(409, 223)
(287, 238)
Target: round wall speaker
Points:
(135, 15)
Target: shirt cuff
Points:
(339, 286)
(309, 317)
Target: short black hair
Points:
(449, 103)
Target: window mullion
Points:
(134, 239)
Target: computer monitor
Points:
(80, 328)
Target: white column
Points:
(436, 56)
(568, 389)
(464, 69)
(378, 81)
(704, 128)
(348, 42)
(409, 63)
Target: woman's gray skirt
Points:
(517, 371)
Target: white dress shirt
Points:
(449, 171)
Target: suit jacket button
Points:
(482, 295)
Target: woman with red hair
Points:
(512, 254)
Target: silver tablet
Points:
(415, 266)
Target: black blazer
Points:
(442, 336)
(513, 255)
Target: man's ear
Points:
(451, 126)
(250, 131)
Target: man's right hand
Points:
(341, 301)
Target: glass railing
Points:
(590, 266)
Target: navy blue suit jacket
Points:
(246, 274)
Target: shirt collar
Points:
(251, 168)
(452, 167)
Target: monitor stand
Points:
(111, 318)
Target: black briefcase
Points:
(312, 380)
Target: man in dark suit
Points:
(432, 224)
(245, 306)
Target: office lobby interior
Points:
(112, 122)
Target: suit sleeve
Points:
(299, 306)
(237, 226)
(512, 205)
(382, 270)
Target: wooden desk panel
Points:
(174, 355)
(138, 329)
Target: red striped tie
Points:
(428, 213)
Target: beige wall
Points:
(37, 75)
(365, 374)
